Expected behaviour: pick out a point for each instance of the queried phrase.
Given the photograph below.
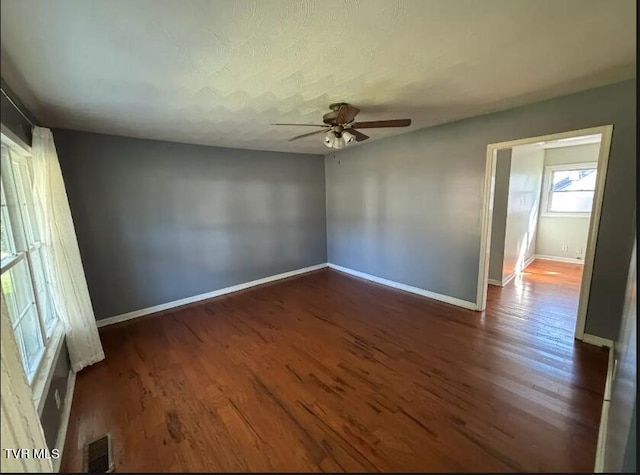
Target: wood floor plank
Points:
(326, 372)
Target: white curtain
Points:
(21, 426)
(66, 275)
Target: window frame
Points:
(547, 190)
(24, 243)
(6, 220)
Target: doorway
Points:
(541, 190)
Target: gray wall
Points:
(51, 416)
(158, 221)
(572, 154)
(499, 221)
(408, 208)
(525, 182)
(572, 231)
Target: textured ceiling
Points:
(219, 72)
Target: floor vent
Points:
(97, 455)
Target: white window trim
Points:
(44, 374)
(4, 216)
(40, 377)
(546, 190)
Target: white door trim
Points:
(594, 224)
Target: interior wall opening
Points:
(546, 195)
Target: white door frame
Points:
(594, 224)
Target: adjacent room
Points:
(305, 236)
(545, 194)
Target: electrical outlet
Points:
(579, 251)
(56, 396)
(565, 248)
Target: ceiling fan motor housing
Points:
(336, 105)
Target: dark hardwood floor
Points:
(326, 372)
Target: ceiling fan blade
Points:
(305, 125)
(359, 135)
(382, 123)
(306, 135)
(330, 117)
(346, 113)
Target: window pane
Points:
(16, 287)
(19, 285)
(38, 270)
(11, 209)
(9, 296)
(46, 309)
(8, 247)
(7, 242)
(32, 337)
(20, 234)
(574, 180)
(23, 185)
(20, 343)
(572, 202)
(31, 215)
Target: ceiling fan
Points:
(340, 129)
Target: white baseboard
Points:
(510, 277)
(407, 288)
(604, 415)
(596, 340)
(610, 370)
(64, 422)
(197, 298)
(602, 432)
(527, 263)
(559, 259)
(502, 283)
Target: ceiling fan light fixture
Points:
(348, 137)
(329, 139)
(340, 129)
(339, 143)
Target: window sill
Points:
(565, 215)
(42, 379)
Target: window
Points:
(25, 286)
(570, 189)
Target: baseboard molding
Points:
(64, 423)
(604, 419)
(197, 298)
(604, 415)
(501, 283)
(610, 370)
(597, 341)
(559, 259)
(407, 288)
(508, 279)
(527, 263)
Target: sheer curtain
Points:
(69, 290)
